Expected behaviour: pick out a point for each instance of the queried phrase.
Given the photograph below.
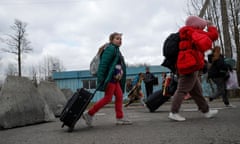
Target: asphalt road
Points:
(147, 128)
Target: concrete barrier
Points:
(21, 104)
(54, 97)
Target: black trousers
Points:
(149, 89)
(221, 89)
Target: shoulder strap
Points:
(101, 49)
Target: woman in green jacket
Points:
(111, 78)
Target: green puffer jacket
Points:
(108, 61)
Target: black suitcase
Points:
(75, 107)
(155, 100)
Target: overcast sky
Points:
(73, 30)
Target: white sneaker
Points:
(210, 113)
(231, 106)
(176, 117)
(87, 118)
(123, 122)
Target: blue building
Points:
(78, 79)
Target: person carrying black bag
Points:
(219, 73)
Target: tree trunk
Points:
(19, 59)
(237, 37)
(204, 8)
(226, 35)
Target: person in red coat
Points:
(194, 41)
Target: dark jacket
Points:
(149, 77)
(109, 59)
(218, 67)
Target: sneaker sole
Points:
(89, 125)
(176, 120)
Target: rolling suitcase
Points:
(159, 97)
(75, 107)
(155, 100)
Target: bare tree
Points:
(204, 8)
(194, 7)
(235, 14)
(225, 26)
(235, 11)
(50, 64)
(214, 16)
(17, 42)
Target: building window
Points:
(89, 84)
(93, 84)
(85, 84)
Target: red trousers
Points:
(111, 89)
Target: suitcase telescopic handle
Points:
(99, 86)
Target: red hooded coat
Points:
(194, 42)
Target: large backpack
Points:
(170, 51)
(95, 61)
